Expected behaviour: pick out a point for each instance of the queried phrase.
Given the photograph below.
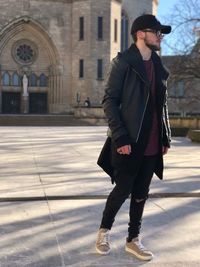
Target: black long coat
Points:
(127, 106)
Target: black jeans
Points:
(137, 185)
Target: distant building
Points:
(62, 48)
(184, 83)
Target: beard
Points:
(151, 46)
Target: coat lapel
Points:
(134, 59)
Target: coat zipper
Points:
(142, 119)
(144, 108)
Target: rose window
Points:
(24, 52)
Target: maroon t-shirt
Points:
(153, 142)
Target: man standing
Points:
(135, 104)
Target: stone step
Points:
(41, 120)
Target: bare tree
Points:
(185, 21)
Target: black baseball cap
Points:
(149, 21)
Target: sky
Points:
(165, 8)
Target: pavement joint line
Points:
(45, 198)
(90, 197)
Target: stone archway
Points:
(33, 38)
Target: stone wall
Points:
(97, 112)
(190, 123)
(90, 49)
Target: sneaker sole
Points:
(138, 256)
(102, 253)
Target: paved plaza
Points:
(53, 194)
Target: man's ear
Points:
(140, 35)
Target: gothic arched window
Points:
(43, 80)
(124, 31)
(33, 80)
(15, 79)
(6, 79)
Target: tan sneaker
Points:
(136, 248)
(102, 243)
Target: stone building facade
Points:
(55, 53)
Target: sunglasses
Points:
(156, 32)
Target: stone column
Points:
(55, 89)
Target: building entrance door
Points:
(38, 103)
(11, 102)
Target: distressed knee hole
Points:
(140, 200)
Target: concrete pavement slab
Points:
(18, 176)
(165, 231)
(63, 233)
(77, 162)
(28, 236)
(61, 161)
